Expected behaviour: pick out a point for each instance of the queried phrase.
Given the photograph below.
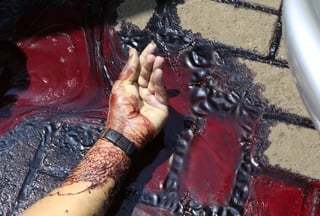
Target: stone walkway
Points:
(253, 29)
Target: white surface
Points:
(301, 21)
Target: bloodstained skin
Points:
(211, 148)
(127, 72)
(138, 128)
(117, 121)
(98, 166)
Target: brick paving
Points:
(238, 181)
(253, 29)
(250, 33)
(226, 24)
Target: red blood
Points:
(66, 76)
(212, 159)
(59, 71)
(281, 199)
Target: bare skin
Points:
(138, 110)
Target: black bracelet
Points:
(119, 140)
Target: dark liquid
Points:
(56, 77)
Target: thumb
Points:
(130, 72)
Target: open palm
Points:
(138, 103)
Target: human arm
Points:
(137, 109)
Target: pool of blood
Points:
(57, 72)
(60, 69)
(210, 151)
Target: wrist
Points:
(107, 144)
(133, 134)
(117, 139)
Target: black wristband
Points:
(119, 140)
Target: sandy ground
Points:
(294, 148)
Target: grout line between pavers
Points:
(275, 41)
(252, 6)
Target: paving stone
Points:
(239, 27)
(268, 3)
(295, 148)
(282, 52)
(279, 87)
(137, 12)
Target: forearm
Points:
(138, 109)
(90, 186)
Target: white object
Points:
(301, 22)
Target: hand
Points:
(138, 102)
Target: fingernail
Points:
(153, 44)
(130, 52)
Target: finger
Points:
(146, 60)
(130, 72)
(146, 70)
(159, 87)
(158, 63)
